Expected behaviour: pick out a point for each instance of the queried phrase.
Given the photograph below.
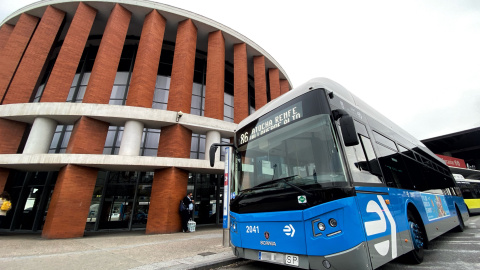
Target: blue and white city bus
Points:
(323, 181)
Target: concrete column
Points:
(213, 136)
(131, 139)
(240, 82)
(13, 50)
(104, 69)
(33, 61)
(65, 67)
(260, 81)
(41, 136)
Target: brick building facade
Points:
(107, 109)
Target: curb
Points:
(216, 264)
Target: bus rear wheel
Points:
(418, 238)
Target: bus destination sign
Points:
(272, 122)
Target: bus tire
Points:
(461, 224)
(419, 239)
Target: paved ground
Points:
(202, 249)
(123, 250)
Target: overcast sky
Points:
(416, 62)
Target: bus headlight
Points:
(332, 222)
(321, 226)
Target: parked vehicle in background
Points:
(471, 193)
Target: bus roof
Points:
(338, 90)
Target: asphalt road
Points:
(453, 250)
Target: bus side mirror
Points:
(213, 149)
(349, 133)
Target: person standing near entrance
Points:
(5, 205)
(187, 212)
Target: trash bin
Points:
(191, 225)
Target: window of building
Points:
(60, 140)
(150, 139)
(114, 138)
(160, 98)
(228, 107)
(197, 149)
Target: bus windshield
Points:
(301, 155)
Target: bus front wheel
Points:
(461, 225)
(418, 238)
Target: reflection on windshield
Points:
(305, 151)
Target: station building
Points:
(107, 108)
(460, 150)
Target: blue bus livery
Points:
(323, 181)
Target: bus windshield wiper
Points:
(285, 180)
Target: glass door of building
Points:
(30, 199)
(120, 201)
(207, 196)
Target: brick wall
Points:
(181, 83)
(260, 81)
(88, 136)
(284, 86)
(70, 202)
(274, 80)
(3, 178)
(144, 74)
(104, 70)
(61, 78)
(175, 141)
(31, 66)
(240, 82)
(168, 188)
(215, 84)
(5, 32)
(11, 134)
(13, 50)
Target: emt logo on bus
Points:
(380, 226)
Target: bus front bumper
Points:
(354, 258)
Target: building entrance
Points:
(120, 201)
(31, 193)
(208, 193)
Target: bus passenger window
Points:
(393, 168)
(360, 159)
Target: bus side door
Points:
(379, 223)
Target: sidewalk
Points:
(134, 250)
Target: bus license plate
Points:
(291, 260)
